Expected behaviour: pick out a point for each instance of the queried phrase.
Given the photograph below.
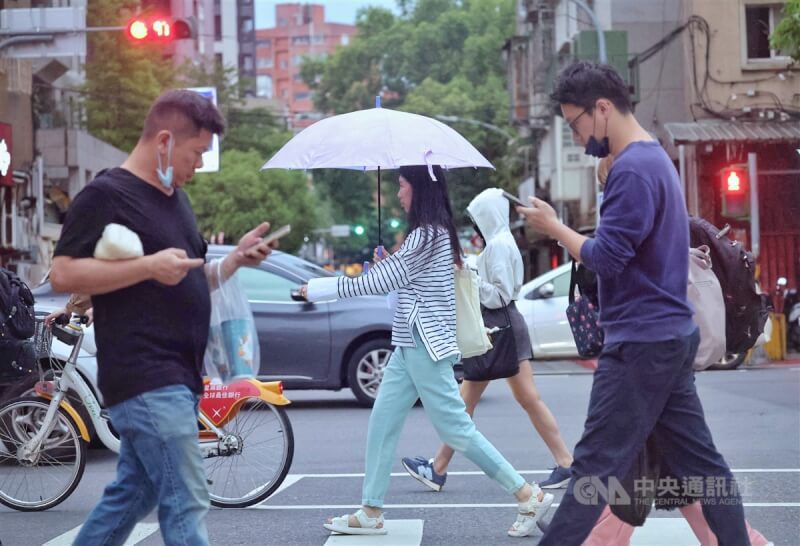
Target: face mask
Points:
(165, 177)
(598, 148)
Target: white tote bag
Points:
(705, 295)
(470, 330)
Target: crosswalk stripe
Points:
(139, 533)
(487, 505)
(545, 472)
(400, 532)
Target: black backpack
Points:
(746, 311)
(16, 307)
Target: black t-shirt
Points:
(148, 335)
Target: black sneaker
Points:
(558, 478)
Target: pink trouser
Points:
(612, 531)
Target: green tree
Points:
(122, 79)
(787, 34)
(240, 196)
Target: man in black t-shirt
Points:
(151, 318)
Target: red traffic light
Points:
(734, 180)
(160, 29)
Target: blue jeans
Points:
(641, 389)
(159, 465)
(412, 374)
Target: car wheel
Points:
(365, 370)
(730, 361)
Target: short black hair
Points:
(583, 83)
(184, 113)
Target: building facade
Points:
(300, 31)
(707, 116)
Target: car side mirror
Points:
(546, 290)
(297, 296)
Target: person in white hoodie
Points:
(501, 272)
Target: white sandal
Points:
(367, 525)
(529, 513)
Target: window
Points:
(284, 64)
(267, 42)
(298, 78)
(284, 93)
(560, 287)
(302, 95)
(264, 86)
(283, 22)
(760, 21)
(299, 40)
(247, 63)
(297, 60)
(260, 285)
(247, 25)
(264, 62)
(218, 27)
(317, 39)
(218, 60)
(345, 39)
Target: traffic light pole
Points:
(755, 220)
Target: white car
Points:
(543, 303)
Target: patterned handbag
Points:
(583, 320)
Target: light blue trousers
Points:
(411, 373)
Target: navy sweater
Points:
(640, 251)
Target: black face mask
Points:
(598, 148)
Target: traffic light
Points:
(157, 29)
(359, 229)
(735, 188)
(394, 223)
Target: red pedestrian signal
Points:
(735, 188)
(160, 29)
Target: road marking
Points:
(487, 505)
(139, 533)
(480, 473)
(664, 531)
(400, 532)
(289, 481)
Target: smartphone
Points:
(514, 199)
(277, 234)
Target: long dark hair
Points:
(430, 206)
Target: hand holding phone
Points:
(277, 234)
(514, 200)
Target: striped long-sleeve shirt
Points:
(423, 279)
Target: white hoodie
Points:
(500, 263)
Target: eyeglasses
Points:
(572, 123)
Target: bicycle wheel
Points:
(261, 454)
(42, 479)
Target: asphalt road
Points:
(754, 415)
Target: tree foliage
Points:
(787, 34)
(240, 196)
(439, 57)
(122, 79)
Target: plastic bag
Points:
(232, 351)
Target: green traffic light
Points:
(359, 230)
(394, 223)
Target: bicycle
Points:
(243, 431)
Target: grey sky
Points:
(336, 11)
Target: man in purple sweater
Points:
(644, 383)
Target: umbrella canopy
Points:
(377, 138)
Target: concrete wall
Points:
(726, 21)
(662, 78)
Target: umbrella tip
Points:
(377, 101)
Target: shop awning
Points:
(734, 131)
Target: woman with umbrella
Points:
(424, 334)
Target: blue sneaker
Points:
(422, 470)
(559, 478)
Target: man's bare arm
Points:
(92, 276)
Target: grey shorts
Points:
(497, 317)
